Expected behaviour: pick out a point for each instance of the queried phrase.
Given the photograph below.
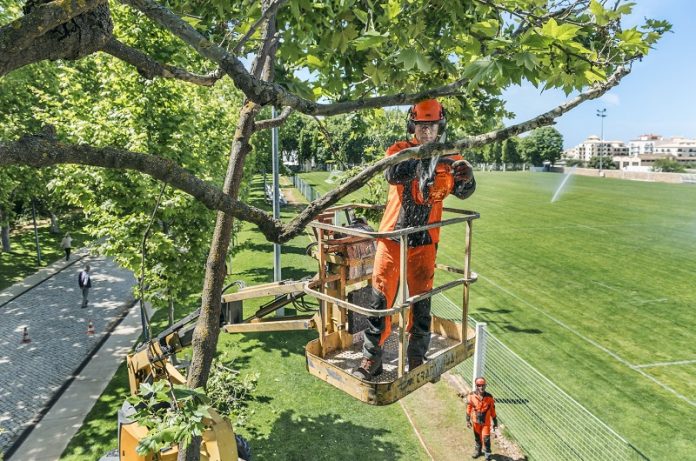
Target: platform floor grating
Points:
(349, 359)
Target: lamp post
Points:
(601, 113)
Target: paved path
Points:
(48, 306)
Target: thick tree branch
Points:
(273, 122)
(19, 34)
(271, 11)
(149, 68)
(295, 226)
(65, 29)
(44, 150)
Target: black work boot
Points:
(368, 369)
(488, 455)
(477, 451)
(414, 362)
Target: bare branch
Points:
(272, 9)
(273, 122)
(44, 150)
(149, 68)
(295, 226)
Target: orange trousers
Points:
(420, 271)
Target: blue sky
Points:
(658, 96)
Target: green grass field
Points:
(595, 291)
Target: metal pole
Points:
(36, 234)
(601, 113)
(276, 205)
(479, 352)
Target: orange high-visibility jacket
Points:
(477, 405)
(406, 204)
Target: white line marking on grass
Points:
(591, 341)
(608, 287)
(665, 364)
(659, 300)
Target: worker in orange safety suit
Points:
(417, 189)
(480, 411)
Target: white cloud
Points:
(611, 98)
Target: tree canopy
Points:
(542, 145)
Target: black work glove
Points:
(462, 171)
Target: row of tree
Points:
(362, 138)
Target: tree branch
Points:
(61, 29)
(273, 122)
(20, 33)
(272, 9)
(265, 93)
(149, 68)
(429, 150)
(44, 150)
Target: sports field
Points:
(596, 291)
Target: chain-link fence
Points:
(545, 421)
(305, 188)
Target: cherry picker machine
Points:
(344, 249)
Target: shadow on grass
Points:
(263, 274)
(267, 247)
(529, 331)
(325, 437)
(284, 342)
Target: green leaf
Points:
(600, 14)
(408, 57)
(369, 40)
(361, 15)
(489, 27)
(423, 63)
(563, 32)
(314, 61)
(393, 9)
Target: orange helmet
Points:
(480, 381)
(429, 110)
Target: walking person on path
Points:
(85, 283)
(480, 411)
(66, 244)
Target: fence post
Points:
(479, 352)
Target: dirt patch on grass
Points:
(292, 195)
(438, 415)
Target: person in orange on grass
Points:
(480, 411)
(417, 189)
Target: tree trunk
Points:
(205, 335)
(5, 235)
(4, 232)
(55, 228)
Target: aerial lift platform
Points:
(345, 255)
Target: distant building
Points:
(645, 144)
(593, 147)
(647, 149)
(676, 147)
